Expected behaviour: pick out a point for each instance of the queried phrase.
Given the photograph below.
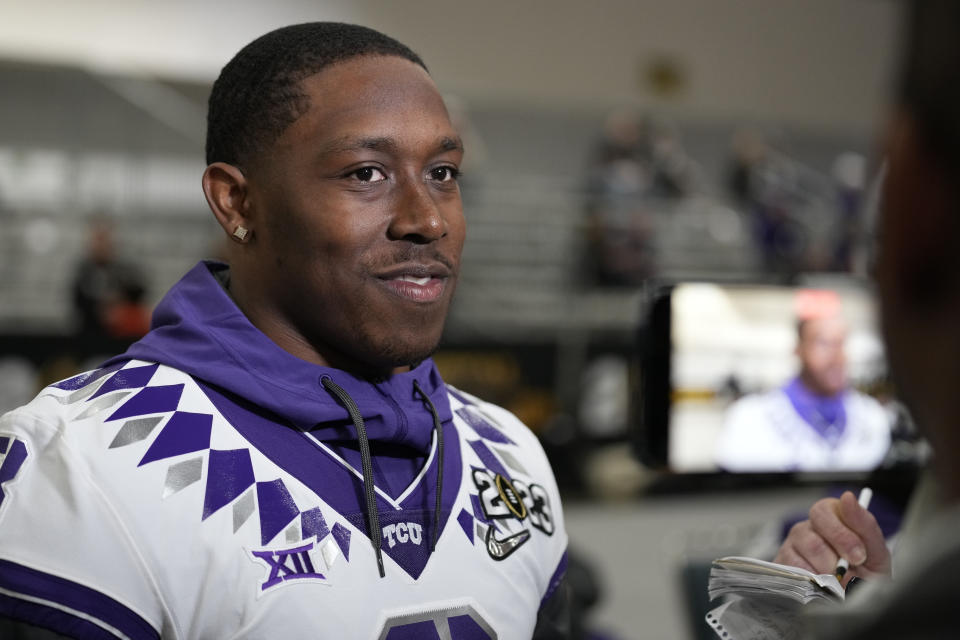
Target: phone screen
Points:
(776, 379)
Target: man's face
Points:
(821, 352)
(358, 218)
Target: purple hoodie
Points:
(197, 328)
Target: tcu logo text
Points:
(403, 532)
(288, 564)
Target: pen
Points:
(864, 501)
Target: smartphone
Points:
(758, 378)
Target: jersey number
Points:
(455, 623)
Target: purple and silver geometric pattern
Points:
(184, 433)
(342, 535)
(483, 427)
(150, 400)
(466, 523)
(243, 509)
(510, 459)
(312, 525)
(132, 378)
(489, 460)
(229, 474)
(181, 475)
(85, 379)
(104, 402)
(135, 430)
(230, 477)
(277, 508)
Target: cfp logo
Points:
(403, 532)
(503, 498)
(287, 564)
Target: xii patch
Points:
(285, 565)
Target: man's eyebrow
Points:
(352, 143)
(451, 144)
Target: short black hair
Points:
(929, 84)
(259, 94)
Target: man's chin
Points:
(398, 356)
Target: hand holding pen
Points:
(838, 529)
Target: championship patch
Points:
(500, 498)
(501, 509)
(13, 453)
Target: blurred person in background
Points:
(815, 421)
(279, 457)
(637, 165)
(849, 173)
(918, 276)
(108, 292)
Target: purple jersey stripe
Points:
(486, 456)
(17, 578)
(472, 416)
(555, 579)
(14, 459)
(459, 396)
(38, 615)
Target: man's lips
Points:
(431, 269)
(420, 282)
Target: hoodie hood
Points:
(198, 328)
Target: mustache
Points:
(415, 253)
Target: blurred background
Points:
(610, 145)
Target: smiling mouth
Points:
(418, 282)
(415, 287)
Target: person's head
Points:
(331, 147)
(821, 342)
(100, 242)
(918, 268)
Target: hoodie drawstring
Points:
(438, 429)
(373, 516)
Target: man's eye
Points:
(444, 174)
(369, 174)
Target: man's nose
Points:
(417, 216)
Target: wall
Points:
(816, 62)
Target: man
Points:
(105, 288)
(918, 275)
(814, 422)
(279, 457)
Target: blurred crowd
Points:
(797, 218)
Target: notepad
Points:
(743, 576)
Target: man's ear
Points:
(226, 190)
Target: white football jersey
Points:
(763, 432)
(137, 502)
